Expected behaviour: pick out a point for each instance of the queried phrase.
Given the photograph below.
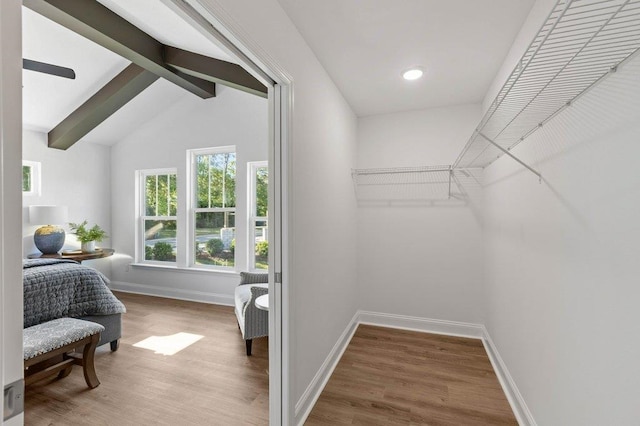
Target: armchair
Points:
(253, 322)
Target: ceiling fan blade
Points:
(43, 67)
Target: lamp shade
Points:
(48, 215)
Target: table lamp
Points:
(49, 238)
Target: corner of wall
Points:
(515, 398)
(310, 396)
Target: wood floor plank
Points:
(211, 382)
(397, 377)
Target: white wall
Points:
(562, 260)
(416, 259)
(322, 211)
(79, 178)
(231, 118)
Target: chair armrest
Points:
(256, 321)
(253, 278)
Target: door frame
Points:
(11, 308)
(213, 22)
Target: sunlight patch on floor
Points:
(168, 345)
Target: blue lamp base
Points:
(49, 239)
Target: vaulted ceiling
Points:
(123, 53)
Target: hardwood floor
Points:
(211, 382)
(385, 377)
(397, 377)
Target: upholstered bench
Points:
(47, 348)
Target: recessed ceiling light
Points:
(412, 73)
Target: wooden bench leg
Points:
(59, 368)
(43, 340)
(88, 367)
(65, 372)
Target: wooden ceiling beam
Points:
(96, 22)
(214, 70)
(110, 98)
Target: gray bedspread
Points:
(57, 288)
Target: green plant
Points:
(215, 246)
(148, 252)
(163, 251)
(262, 249)
(85, 234)
(232, 246)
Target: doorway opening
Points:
(278, 104)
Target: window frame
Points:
(193, 208)
(142, 216)
(252, 217)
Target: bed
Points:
(58, 288)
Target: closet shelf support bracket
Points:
(531, 169)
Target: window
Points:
(30, 178)
(199, 229)
(26, 178)
(258, 235)
(158, 215)
(214, 206)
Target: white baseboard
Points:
(319, 381)
(427, 325)
(518, 405)
(173, 293)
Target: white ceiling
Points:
(365, 45)
(47, 100)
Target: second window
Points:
(214, 206)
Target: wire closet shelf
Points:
(580, 43)
(404, 183)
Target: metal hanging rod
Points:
(396, 170)
(436, 180)
(579, 44)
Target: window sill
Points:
(193, 270)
